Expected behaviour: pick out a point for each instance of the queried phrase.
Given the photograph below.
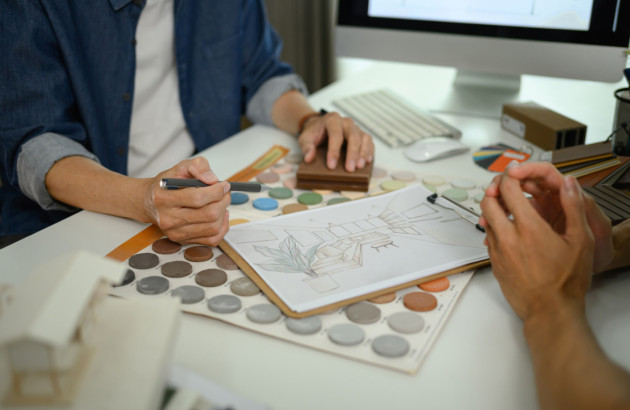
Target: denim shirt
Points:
(67, 83)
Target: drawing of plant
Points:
(288, 258)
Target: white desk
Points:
(479, 361)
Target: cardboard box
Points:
(541, 126)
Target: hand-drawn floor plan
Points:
(322, 256)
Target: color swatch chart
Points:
(284, 198)
(394, 331)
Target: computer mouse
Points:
(431, 148)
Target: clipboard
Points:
(275, 299)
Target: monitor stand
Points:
(479, 94)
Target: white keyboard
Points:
(392, 119)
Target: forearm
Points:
(288, 109)
(571, 369)
(85, 184)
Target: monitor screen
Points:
(581, 39)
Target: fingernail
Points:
(351, 165)
(332, 163)
(513, 164)
(226, 187)
(570, 184)
(491, 185)
(361, 163)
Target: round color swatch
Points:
(224, 304)
(265, 204)
(404, 176)
(225, 262)
(198, 253)
(291, 208)
(263, 313)
(323, 191)
(310, 198)
(189, 294)
(176, 269)
(293, 158)
(305, 326)
(238, 198)
(127, 279)
(463, 184)
(238, 221)
(267, 177)
(337, 200)
(346, 334)
(152, 285)
(386, 298)
(456, 194)
(281, 168)
(390, 346)
(280, 193)
(353, 194)
(392, 185)
(144, 261)
(363, 313)
(479, 197)
(433, 180)
(244, 287)
(437, 285)
(378, 172)
(406, 322)
(211, 278)
(289, 182)
(165, 246)
(420, 301)
(430, 188)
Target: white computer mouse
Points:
(431, 148)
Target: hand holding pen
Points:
(178, 183)
(190, 215)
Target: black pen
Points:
(177, 183)
(434, 197)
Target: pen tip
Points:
(264, 187)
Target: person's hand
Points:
(337, 129)
(190, 215)
(536, 266)
(543, 182)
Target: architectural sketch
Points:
(351, 240)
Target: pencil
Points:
(177, 183)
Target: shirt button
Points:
(137, 2)
(120, 151)
(134, 42)
(126, 97)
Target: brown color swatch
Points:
(198, 253)
(165, 246)
(420, 301)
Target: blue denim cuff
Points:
(35, 160)
(260, 105)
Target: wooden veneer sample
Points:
(316, 175)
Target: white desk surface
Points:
(480, 360)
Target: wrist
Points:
(306, 118)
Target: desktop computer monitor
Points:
(491, 43)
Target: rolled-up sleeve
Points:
(260, 106)
(36, 158)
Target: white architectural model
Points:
(45, 328)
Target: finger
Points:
(194, 198)
(572, 203)
(491, 239)
(493, 186)
(308, 143)
(544, 173)
(366, 153)
(335, 141)
(353, 145)
(515, 202)
(212, 240)
(494, 215)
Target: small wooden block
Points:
(316, 175)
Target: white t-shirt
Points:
(158, 136)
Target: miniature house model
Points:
(44, 331)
